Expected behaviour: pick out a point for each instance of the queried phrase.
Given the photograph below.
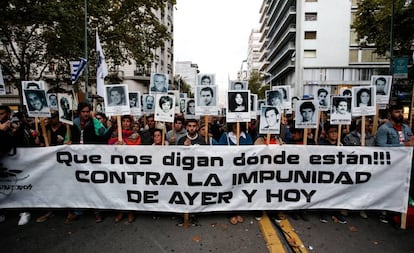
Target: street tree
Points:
(373, 25)
(39, 35)
(256, 84)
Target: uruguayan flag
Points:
(76, 69)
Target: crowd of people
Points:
(90, 127)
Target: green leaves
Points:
(373, 20)
(33, 33)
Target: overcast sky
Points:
(214, 34)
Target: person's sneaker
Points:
(383, 218)
(339, 218)
(24, 218)
(363, 214)
(2, 218)
(323, 219)
(276, 218)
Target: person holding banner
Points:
(331, 139)
(157, 138)
(129, 137)
(394, 133)
(192, 137)
(85, 130)
(177, 132)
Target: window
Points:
(309, 54)
(311, 16)
(310, 35)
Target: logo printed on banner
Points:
(8, 176)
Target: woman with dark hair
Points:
(230, 138)
(116, 96)
(363, 97)
(166, 103)
(237, 103)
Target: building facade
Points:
(311, 42)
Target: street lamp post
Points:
(392, 38)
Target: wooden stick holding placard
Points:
(206, 137)
(119, 125)
(317, 128)
(375, 122)
(68, 134)
(363, 130)
(163, 134)
(44, 132)
(338, 142)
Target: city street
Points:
(213, 233)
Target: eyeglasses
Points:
(98, 118)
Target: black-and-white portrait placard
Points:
(148, 103)
(306, 113)
(260, 104)
(206, 79)
(285, 91)
(253, 106)
(117, 100)
(36, 103)
(363, 100)
(53, 101)
(158, 83)
(176, 94)
(323, 96)
(269, 120)
(238, 85)
(206, 100)
(32, 85)
(238, 106)
(341, 110)
(383, 88)
(134, 102)
(165, 107)
(190, 108)
(65, 108)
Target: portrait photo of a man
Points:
(306, 114)
(117, 99)
(158, 83)
(206, 95)
(148, 103)
(382, 86)
(270, 120)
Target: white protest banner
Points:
(207, 178)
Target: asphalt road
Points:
(212, 234)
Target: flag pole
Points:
(86, 47)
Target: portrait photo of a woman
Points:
(238, 101)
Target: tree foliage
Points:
(34, 34)
(256, 84)
(373, 24)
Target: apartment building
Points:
(311, 42)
